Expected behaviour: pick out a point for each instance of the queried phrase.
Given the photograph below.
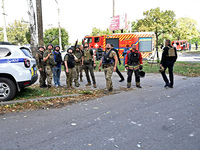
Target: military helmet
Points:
(141, 73)
(56, 46)
(69, 49)
(41, 47)
(49, 45)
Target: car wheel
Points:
(7, 89)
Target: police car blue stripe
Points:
(12, 60)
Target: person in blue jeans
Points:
(125, 52)
(57, 67)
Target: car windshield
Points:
(26, 52)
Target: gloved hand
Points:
(141, 67)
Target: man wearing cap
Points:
(133, 62)
(41, 67)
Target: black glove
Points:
(141, 67)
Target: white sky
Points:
(78, 17)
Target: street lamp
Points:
(60, 42)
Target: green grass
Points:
(32, 92)
(180, 68)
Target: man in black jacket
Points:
(169, 57)
(117, 70)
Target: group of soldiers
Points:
(80, 58)
(49, 62)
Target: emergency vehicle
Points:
(17, 70)
(180, 44)
(144, 42)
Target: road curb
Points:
(36, 99)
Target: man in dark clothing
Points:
(133, 63)
(196, 45)
(169, 57)
(117, 70)
(41, 67)
(57, 67)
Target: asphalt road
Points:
(151, 118)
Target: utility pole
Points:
(60, 42)
(32, 21)
(4, 20)
(113, 8)
(113, 11)
(39, 22)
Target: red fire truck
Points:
(181, 44)
(144, 42)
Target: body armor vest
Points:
(133, 58)
(107, 59)
(87, 55)
(70, 61)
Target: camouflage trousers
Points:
(77, 72)
(49, 74)
(43, 77)
(69, 77)
(108, 74)
(81, 72)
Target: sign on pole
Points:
(118, 22)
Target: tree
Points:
(134, 27)
(16, 33)
(99, 32)
(52, 36)
(1, 34)
(186, 29)
(160, 22)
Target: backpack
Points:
(171, 52)
(58, 57)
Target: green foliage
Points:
(157, 21)
(134, 27)
(16, 33)
(1, 34)
(186, 29)
(52, 36)
(28, 35)
(99, 32)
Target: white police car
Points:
(17, 70)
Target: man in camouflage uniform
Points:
(41, 67)
(69, 64)
(88, 65)
(78, 62)
(49, 61)
(109, 63)
(81, 67)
